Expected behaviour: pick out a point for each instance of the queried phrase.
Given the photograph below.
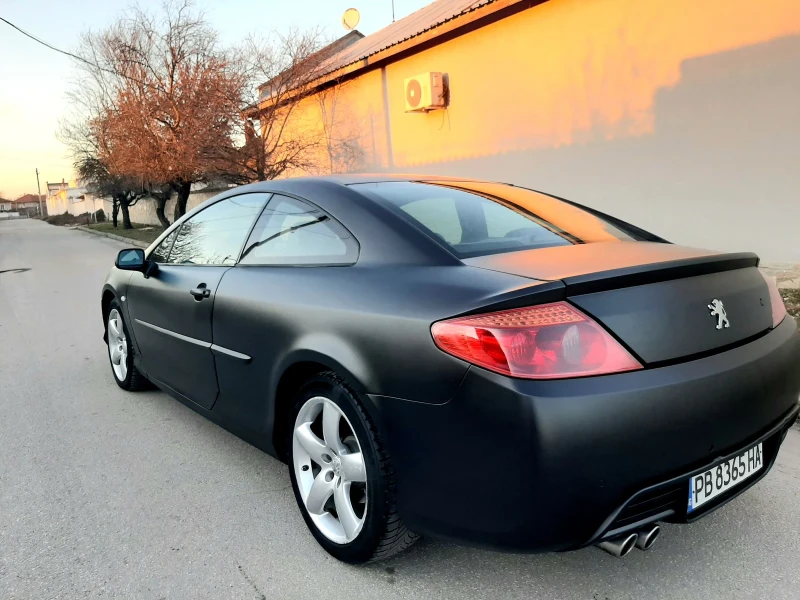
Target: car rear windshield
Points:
(477, 218)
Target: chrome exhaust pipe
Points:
(647, 537)
(619, 546)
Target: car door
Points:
(171, 310)
(293, 249)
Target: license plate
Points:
(706, 486)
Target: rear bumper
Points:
(551, 465)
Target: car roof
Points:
(348, 179)
(380, 232)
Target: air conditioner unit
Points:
(424, 92)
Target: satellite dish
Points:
(350, 19)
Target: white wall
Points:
(144, 211)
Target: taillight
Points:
(549, 341)
(775, 299)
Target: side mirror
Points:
(130, 259)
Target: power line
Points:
(64, 52)
(76, 57)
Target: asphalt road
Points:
(107, 494)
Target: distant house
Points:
(27, 204)
(65, 198)
(6, 205)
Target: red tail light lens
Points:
(549, 341)
(778, 307)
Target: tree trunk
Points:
(114, 211)
(126, 217)
(161, 204)
(183, 190)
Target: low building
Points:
(6, 205)
(679, 116)
(66, 198)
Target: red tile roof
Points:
(425, 19)
(27, 198)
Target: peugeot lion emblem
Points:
(718, 310)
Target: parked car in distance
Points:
(462, 359)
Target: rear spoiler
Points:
(656, 272)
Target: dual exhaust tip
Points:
(622, 545)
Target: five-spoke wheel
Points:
(341, 473)
(330, 470)
(117, 345)
(120, 351)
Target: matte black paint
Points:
(163, 300)
(555, 458)
(539, 448)
(670, 319)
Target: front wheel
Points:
(120, 352)
(342, 477)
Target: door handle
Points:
(200, 292)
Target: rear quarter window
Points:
(475, 218)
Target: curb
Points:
(111, 236)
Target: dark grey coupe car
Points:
(462, 359)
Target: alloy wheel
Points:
(117, 345)
(330, 470)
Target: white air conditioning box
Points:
(424, 92)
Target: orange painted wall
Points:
(677, 115)
(569, 71)
(347, 116)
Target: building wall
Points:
(680, 116)
(58, 203)
(346, 123)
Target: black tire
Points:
(383, 534)
(134, 380)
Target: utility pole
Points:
(392, 11)
(39, 192)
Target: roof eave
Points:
(455, 27)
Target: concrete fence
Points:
(144, 211)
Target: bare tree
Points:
(122, 190)
(166, 97)
(82, 134)
(342, 146)
(276, 76)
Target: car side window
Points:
(160, 253)
(439, 215)
(293, 232)
(215, 235)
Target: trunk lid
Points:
(657, 299)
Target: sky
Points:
(34, 79)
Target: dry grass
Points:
(142, 233)
(66, 219)
(792, 300)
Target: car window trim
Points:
(246, 237)
(331, 218)
(167, 232)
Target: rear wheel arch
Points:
(293, 376)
